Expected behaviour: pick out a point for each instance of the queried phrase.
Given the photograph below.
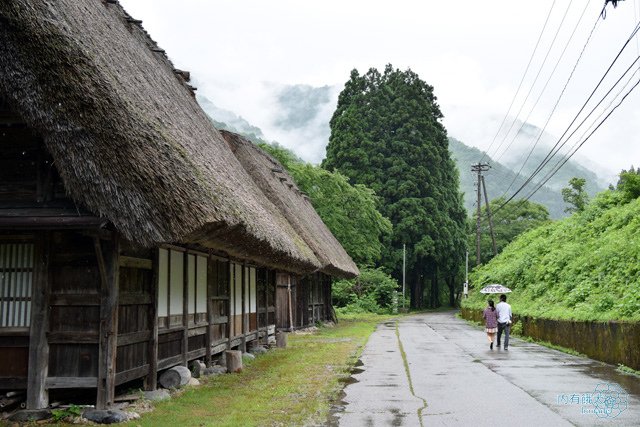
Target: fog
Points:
(243, 55)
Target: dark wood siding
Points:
(74, 321)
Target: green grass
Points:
(292, 386)
(553, 346)
(627, 370)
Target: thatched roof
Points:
(280, 188)
(127, 136)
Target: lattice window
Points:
(16, 283)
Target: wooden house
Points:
(132, 238)
(301, 301)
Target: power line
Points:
(575, 66)
(554, 151)
(521, 81)
(544, 88)
(535, 80)
(579, 144)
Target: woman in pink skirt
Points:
(490, 316)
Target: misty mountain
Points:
(228, 120)
(526, 138)
(499, 177)
(301, 107)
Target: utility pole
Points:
(479, 168)
(486, 200)
(404, 265)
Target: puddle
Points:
(338, 405)
(608, 373)
(398, 417)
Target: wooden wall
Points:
(310, 300)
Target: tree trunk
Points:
(414, 287)
(451, 283)
(434, 300)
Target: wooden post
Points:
(289, 300)
(151, 380)
(37, 394)
(185, 309)
(243, 346)
(234, 360)
(109, 271)
(210, 278)
(230, 291)
(486, 200)
(266, 306)
(281, 339)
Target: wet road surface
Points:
(437, 370)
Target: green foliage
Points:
(575, 195)
(386, 134)
(629, 184)
(627, 370)
(509, 222)
(61, 414)
(350, 211)
(374, 291)
(585, 267)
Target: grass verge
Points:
(292, 386)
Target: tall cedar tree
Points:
(386, 134)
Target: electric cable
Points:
(521, 81)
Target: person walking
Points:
(490, 316)
(504, 320)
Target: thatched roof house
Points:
(128, 138)
(280, 189)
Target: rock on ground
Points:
(106, 416)
(157, 395)
(30, 415)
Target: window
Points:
(197, 286)
(171, 269)
(16, 282)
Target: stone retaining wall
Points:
(611, 342)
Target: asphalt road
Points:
(435, 369)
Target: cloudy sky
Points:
(473, 52)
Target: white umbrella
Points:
(495, 289)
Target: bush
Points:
(374, 291)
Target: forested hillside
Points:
(583, 267)
(499, 177)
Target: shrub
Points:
(373, 291)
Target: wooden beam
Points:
(151, 380)
(169, 362)
(133, 338)
(211, 279)
(75, 300)
(135, 299)
(131, 262)
(72, 382)
(230, 277)
(132, 374)
(244, 310)
(185, 309)
(109, 274)
(52, 222)
(37, 395)
(72, 337)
